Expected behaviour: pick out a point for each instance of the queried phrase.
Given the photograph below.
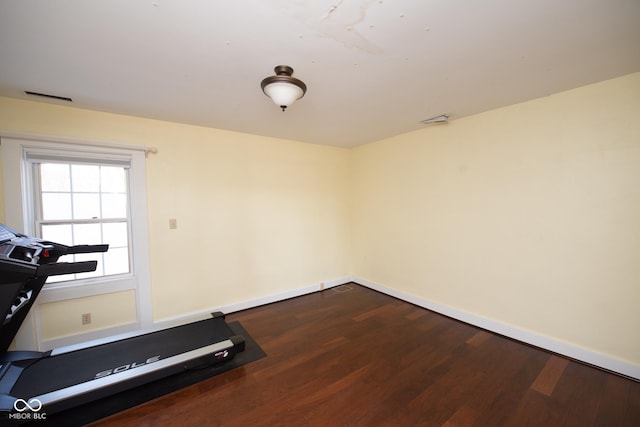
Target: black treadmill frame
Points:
(25, 275)
(61, 399)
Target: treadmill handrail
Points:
(87, 249)
(58, 268)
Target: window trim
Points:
(18, 208)
(34, 158)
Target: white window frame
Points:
(19, 215)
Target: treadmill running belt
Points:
(68, 369)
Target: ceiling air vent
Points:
(442, 118)
(46, 95)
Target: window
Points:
(80, 203)
(74, 193)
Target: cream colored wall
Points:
(60, 319)
(529, 215)
(256, 216)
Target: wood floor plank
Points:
(506, 378)
(362, 358)
(479, 338)
(632, 410)
(546, 381)
(536, 410)
(580, 389)
(463, 417)
(614, 399)
(416, 313)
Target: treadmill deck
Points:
(88, 364)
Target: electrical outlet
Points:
(86, 318)
(173, 223)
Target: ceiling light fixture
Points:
(283, 89)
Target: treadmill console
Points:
(6, 233)
(18, 247)
(25, 264)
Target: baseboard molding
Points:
(251, 303)
(572, 351)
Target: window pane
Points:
(113, 179)
(55, 177)
(90, 257)
(86, 206)
(58, 233)
(61, 278)
(81, 195)
(87, 234)
(85, 178)
(116, 261)
(115, 234)
(114, 206)
(56, 205)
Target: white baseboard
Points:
(251, 303)
(582, 354)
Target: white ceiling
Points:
(374, 68)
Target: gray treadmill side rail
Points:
(88, 386)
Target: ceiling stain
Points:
(338, 21)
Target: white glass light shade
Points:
(283, 89)
(283, 94)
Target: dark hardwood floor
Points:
(350, 356)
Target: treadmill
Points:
(34, 384)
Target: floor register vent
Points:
(342, 288)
